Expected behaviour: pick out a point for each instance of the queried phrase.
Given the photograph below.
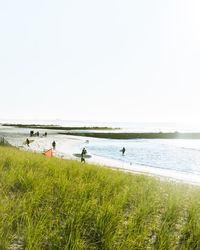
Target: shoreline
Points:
(143, 170)
(68, 145)
(73, 145)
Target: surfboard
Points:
(30, 141)
(85, 156)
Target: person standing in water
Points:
(54, 145)
(123, 150)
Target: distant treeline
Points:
(54, 127)
(160, 135)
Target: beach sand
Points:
(67, 146)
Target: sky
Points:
(105, 60)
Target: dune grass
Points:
(4, 142)
(58, 204)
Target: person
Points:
(54, 145)
(123, 150)
(31, 133)
(84, 152)
(45, 134)
(27, 142)
(82, 158)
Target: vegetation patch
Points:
(59, 204)
(4, 142)
(55, 127)
(114, 135)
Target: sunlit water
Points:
(179, 159)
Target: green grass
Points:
(174, 135)
(4, 142)
(58, 204)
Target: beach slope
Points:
(63, 204)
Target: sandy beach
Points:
(170, 159)
(67, 146)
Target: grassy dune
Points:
(57, 204)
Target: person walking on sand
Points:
(84, 152)
(82, 158)
(54, 145)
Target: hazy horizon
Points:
(130, 61)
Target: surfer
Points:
(27, 142)
(82, 158)
(54, 145)
(123, 150)
(84, 152)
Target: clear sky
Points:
(105, 60)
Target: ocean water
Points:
(177, 159)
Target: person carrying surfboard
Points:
(83, 153)
(27, 142)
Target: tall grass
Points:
(4, 142)
(58, 204)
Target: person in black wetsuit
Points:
(123, 150)
(54, 145)
(27, 142)
(83, 153)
